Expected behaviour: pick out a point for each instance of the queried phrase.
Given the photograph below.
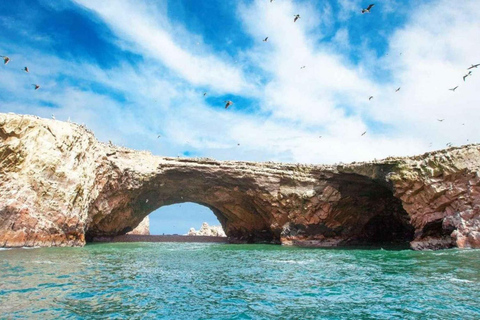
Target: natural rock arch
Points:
(77, 186)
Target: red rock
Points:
(58, 184)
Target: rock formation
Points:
(59, 186)
(143, 228)
(206, 230)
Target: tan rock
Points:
(59, 185)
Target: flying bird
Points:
(364, 133)
(440, 120)
(265, 40)
(368, 9)
(159, 136)
(204, 94)
(36, 86)
(474, 66)
(53, 116)
(302, 67)
(453, 89)
(468, 74)
(5, 59)
(398, 89)
(271, 1)
(228, 103)
(297, 16)
(25, 69)
(371, 97)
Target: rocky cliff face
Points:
(60, 186)
(143, 228)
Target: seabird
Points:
(364, 133)
(297, 16)
(449, 144)
(371, 97)
(159, 136)
(265, 40)
(320, 137)
(204, 94)
(228, 103)
(53, 116)
(302, 67)
(36, 86)
(474, 66)
(468, 74)
(25, 69)
(453, 89)
(368, 9)
(271, 1)
(398, 89)
(5, 59)
(238, 144)
(440, 120)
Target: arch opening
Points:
(178, 219)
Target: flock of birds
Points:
(6, 60)
(368, 9)
(228, 103)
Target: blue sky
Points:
(131, 70)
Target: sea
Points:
(225, 281)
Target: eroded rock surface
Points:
(207, 230)
(60, 186)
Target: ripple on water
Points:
(204, 281)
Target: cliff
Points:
(59, 186)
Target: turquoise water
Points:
(217, 281)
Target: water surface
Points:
(218, 281)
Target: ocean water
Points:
(220, 281)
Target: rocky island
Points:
(59, 186)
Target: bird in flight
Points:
(25, 69)
(449, 144)
(5, 59)
(303, 67)
(271, 1)
(36, 86)
(440, 120)
(265, 40)
(159, 136)
(368, 9)
(297, 16)
(204, 94)
(398, 89)
(453, 89)
(364, 133)
(468, 74)
(228, 103)
(370, 98)
(474, 66)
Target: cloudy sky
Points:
(133, 70)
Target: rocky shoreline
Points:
(59, 186)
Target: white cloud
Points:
(328, 98)
(143, 27)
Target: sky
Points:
(131, 70)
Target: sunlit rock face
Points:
(143, 228)
(59, 186)
(209, 231)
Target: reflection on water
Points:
(205, 281)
